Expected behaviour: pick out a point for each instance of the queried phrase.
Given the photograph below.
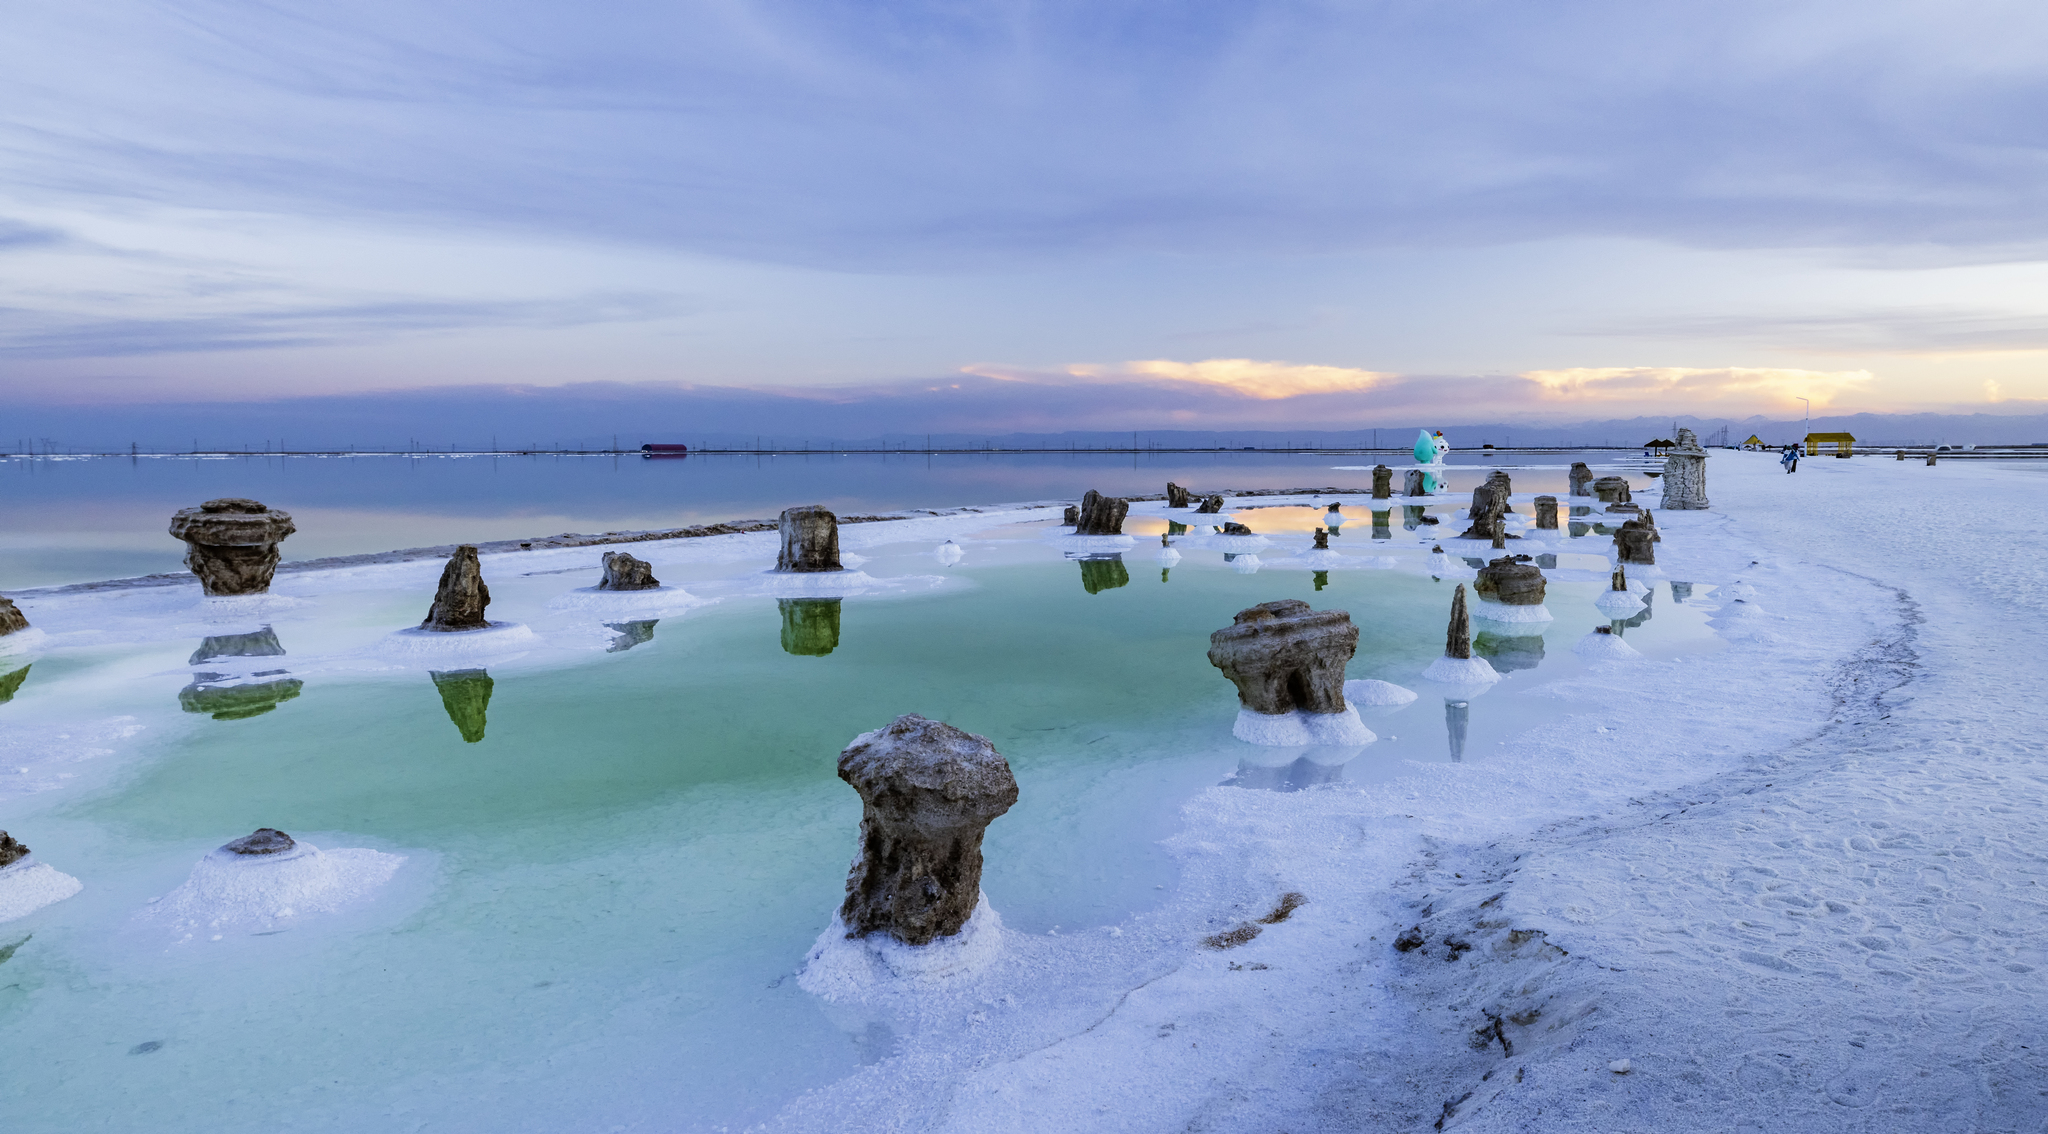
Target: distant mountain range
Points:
(600, 415)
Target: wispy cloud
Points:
(1891, 330)
(41, 334)
(1265, 381)
(1689, 389)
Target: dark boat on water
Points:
(664, 450)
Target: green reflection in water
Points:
(810, 627)
(1104, 574)
(240, 700)
(466, 695)
(10, 683)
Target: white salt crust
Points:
(228, 891)
(23, 641)
(591, 600)
(1604, 647)
(947, 553)
(1168, 556)
(1374, 693)
(1246, 564)
(1066, 541)
(818, 584)
(1460, 671)
(1502, 612)
(1618, 604)
(841, 968)
(1295, 728)
(418, 642)
(28, 886)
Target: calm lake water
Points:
(67, 520)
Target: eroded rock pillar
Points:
(1283, 656)
(231, 544)
(928, 793)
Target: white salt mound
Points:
(1618, 603)
(1296, 728)
(28, 886)
(1373, 693)
(1461, 671)
(843, 968)
(22, 641)
(1168, 556)
(947, 553)
(229, 891)
(1604, 647)
(1512, 615)
(595, 601)
(418, 642)
(1246, 564)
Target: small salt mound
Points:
(947, 553)
(1511, 615)
(1086, 543)
(22, 641)
(651, 601)
(817, 584)
(1296, 728)
(26, 887)
(1444, 565)
(1448, 670)
(1373, 693)
(849, 560)
(438, 645)
(1168, 556)
(1246, 564)
(229, 891)
(1319, 560)
(839, 967)
(1618, 604)
(1604, 647)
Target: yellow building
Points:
(1754, 442)
(1840, 441)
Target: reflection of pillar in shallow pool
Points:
(1411, 516)
(1322, 579)
(630, 634)
(466, 694)
(1163, 573)
(1103, 573)
(1457, 715)
(1302, 773)
(810, 627)
(1382, 520)
(1578, 529)
(227, 697)
(1508, 653)
(10, 683)
(1173, 528)
(1637, 619)
(1680, 591)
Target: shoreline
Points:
(578, 539)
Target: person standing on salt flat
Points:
(1790, 458)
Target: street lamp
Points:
(1809, 418)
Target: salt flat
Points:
(1794, 885)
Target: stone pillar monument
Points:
(810, 540)
(1685, 474)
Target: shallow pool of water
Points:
(621, 840)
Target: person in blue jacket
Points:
(1790, 458)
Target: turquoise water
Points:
(607, 891)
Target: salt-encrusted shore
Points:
(1796, 884)
(577, 539)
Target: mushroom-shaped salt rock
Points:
(928, 793)
(231, 544)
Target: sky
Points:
(1208, 214)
